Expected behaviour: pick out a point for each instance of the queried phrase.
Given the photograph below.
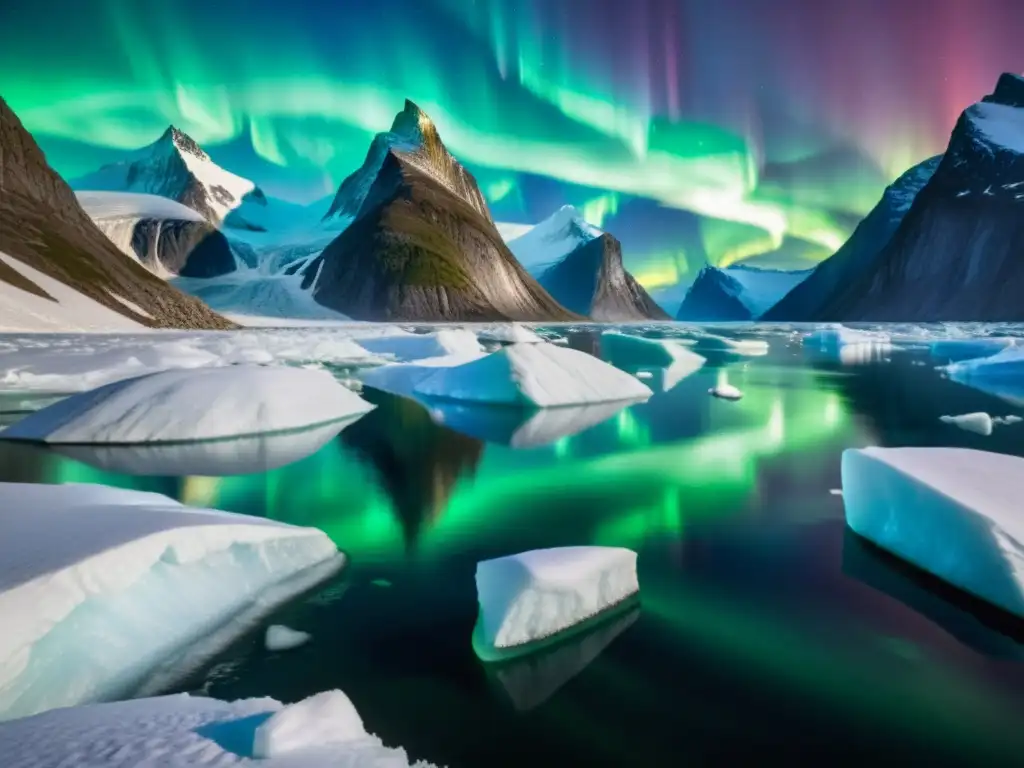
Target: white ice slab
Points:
(182, 730)
(630, 352)
(408, 347)
(711, 343)
(980, 423)
(106, 592)
(541, 375)
(278, 637)
(953, 512)
(1001, 374)
(508, 333)
(534, 595)
(955, 350)
(201, 404)
(402, 378)
(725, 392)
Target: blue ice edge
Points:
(496, 655)
(925, 506)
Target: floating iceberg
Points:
(955, 350)
(709, 342)
(531, 680)
(402, 378)
(952, 512)
(725, 392)
(541, 375)
(1001, 374)
(107, 592)
(847, 345)
(534, 596)
(518, 427)
(182, 730)
(281, 638)
(417, 346)
(210, 458)
(630, 352)
(980, 423)
(508, 333)
(1006, 420)
(203, 404)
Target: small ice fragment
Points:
(836, 491)
(322, 720)
(1007, 420)
(282, 638)
(644, 375)
(980, 422)
(725, 392)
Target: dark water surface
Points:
(765, 631)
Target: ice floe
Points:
(725, 391)
(187, 405)
(953, 512)
(980, 422)
(541, 375)
(508, 333)
(710, 343)
(536, 595)
(955, 350)
(278, 637)
(522, 428)
(408, 347)
(849, 346)
(182, 730)
(1001, 374)
(107, 592)
(633, 352)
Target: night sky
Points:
(693, 129)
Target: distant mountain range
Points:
(408, 236)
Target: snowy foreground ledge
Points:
(202, 404)
(534, 596)
(953, 512)
(540, 375)
(107, 593)
(323, 731)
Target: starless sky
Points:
(778, 117)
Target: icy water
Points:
(765, 630)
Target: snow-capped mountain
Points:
(59, 268)
(423, 246)
(414, 137)
(858, 254)
(956, 253)
(164, 236)
(553, 239)
(736, 293)
(174, 166)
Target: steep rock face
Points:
(415, 136)
(175, 167)
(804, 303)
(167, 238)
(958, 254)
(43, 225)
(424, 248)
(591, 280)
(714, 295)
(740, 292)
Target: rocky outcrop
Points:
(423, 246)
(591, 280)
(43, 225)
(958, 254)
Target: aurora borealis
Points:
(693, 130)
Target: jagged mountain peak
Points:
(1009, 91)
(176, 138)
(556, 236)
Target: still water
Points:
(765, 631)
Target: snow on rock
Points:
(953, 512)
(201, 404)
(534, 595)
(627, 351)
(1000, 124)
(107, 592)
(328, 718)
(559, 234)
(212, 458)
(66, 310)
(980, 423)
(408, 347)
(725, 392)
(281, 638)
(518, 427)
(508, 333)
(541, 375)
(181, 730)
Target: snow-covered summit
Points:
(176, 167)
(736, 293)
(415, 139)
(558, 235)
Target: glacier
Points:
(533, 596)
(191, 405)
(182, 730)
(953, 512)
(108, 593)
